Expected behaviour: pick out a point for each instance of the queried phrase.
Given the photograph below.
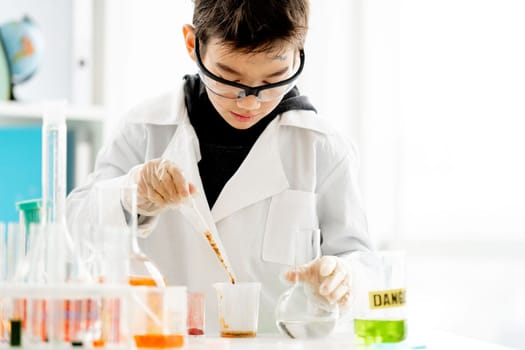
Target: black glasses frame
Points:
(248, 90)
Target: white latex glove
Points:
(160, 183)
(328, 277)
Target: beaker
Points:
(379, 296)
(238, 306)
(159, 316)
(301, 312)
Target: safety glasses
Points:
(233, 90)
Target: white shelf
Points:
(9, 109)
(87, 123)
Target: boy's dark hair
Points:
(252, 25)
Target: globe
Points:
(22, 46)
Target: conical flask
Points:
(301, 312)
(139, 268)
(142, 270)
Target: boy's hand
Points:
(159, 184)
(328, 277)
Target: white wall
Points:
(447, 136)
(462, 87)
(329, 75)
(431, 92)
(140, 48)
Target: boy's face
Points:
(251, 70)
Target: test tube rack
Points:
(65, 316)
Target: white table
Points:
(427, 340)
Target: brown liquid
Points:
(223, 323)
(159, 341)
(219, 255)
(238, 334)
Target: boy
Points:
(257, 161)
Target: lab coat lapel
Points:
(183, 150)
(260, 176)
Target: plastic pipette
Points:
(190, 211)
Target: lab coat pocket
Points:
(290, 211)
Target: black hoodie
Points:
(223, 148)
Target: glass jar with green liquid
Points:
(379, 291)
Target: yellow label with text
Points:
(385, 299)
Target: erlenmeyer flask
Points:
(301, 313)
(142, 271)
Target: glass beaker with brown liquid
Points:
(238, 306)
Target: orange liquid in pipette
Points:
(219, 255)
(159, 341)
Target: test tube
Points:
(3, 253)
(15, 248)
(196, 313)
(3, 277)
(54, 155)
(54, 138)
(36, 320)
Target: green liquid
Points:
(379, 331)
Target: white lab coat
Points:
(298, 175)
